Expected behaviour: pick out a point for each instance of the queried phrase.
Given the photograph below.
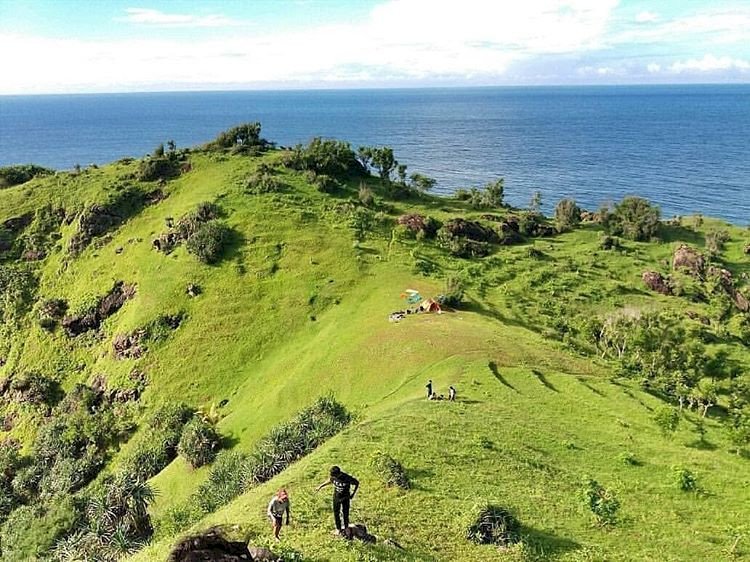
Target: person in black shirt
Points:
(342, 496)
(429, 388)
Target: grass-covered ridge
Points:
(159, 313)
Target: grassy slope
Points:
(250, 338)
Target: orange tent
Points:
(429, 305)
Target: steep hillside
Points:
(246, 282)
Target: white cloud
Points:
(715, 26)
(654, 68)
(401, 39)
(148, 16)
(646, 17)
(709, 63)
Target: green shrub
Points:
(601, 502)
(207, 243)
(69, 475)
(149, 457)
(629, 459)
(390, 471)
(31, 530)
(715, 241)
(325, 156)
(16, 175)
(460, 246)
(567, 214)
(365, 195)
(168, 420)
(264, 180)
(177, 518)
(684, 479)
(290, 441)
(362, 221)
(453, 292)
(494, 525)
(158, 168)
(239, 139)
(325, 183)
(667, 419)
(228, 478)
(633, 218)
(462, 194)
(199, 442)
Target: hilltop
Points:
(161, 311)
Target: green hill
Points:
(270, 285)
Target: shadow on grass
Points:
(492, 312)
(229, 441)
(702, 445)
(496, 373)
(674, 233)
(546, 544)
(591, 388)
(232, 246)
(417, 475)
(542, 379)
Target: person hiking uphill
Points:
(342, 496)
(277, 507)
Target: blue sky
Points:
(59, 46)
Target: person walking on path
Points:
(342, 496)
(429, 389)
(277, 507)
(451, 394)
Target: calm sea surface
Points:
(684, 147)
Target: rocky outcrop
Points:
(100, 219)
(210, 546)
(657, 282)
(108, 305)
(129, 346)
(472, 230)
(689, 259)
(418, 223)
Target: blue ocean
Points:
(685, 147)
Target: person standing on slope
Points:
(429, 389)
(342, 496)
(277, 507)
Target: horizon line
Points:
(378, 88)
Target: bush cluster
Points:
(634, 218)
(325, 156)
(390, 471)
(232, 473)
(493, 524)
(207, 243)
(453, 292)
(242, 139)
(684, 479)
(567, 214)
(263, 180)
(199, 442)
(601, 502)
(16, 175)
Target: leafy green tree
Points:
(634, 218)
(422, 183)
